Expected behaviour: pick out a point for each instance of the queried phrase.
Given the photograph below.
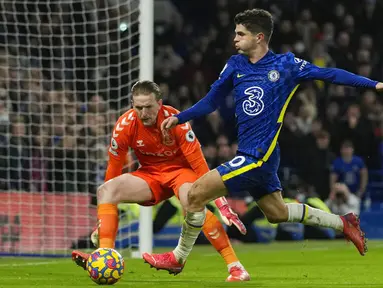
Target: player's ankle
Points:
(234, 264)
(196, 219)
(296, 212)
(178, 257)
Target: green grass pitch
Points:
(289, 264)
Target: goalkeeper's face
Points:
(244, 40)
(147, 107)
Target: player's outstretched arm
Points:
(308, 71)
(205, 106)
(209, 103)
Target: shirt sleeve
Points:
(335, 167)
(304, 70)
(361, 163)
(191, 148)
(210, 102)
(118, 149)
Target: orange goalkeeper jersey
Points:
(178, 149)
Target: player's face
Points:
(147, 107)
(244, 40)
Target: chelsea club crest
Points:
(273, 75)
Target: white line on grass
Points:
(29, 264)
(300, 249)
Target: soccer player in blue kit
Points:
(263, 84)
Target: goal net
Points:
(66, 69)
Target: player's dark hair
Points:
(146, 87)
(347, 144)
(323, 134)
(256, 21)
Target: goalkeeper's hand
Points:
(228, 216)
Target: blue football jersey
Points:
(262, 92)
(349, 172)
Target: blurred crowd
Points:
(66, 70)
(65, 74)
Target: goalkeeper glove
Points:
(228, 216)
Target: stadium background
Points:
(53, 140)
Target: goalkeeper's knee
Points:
(106, 194)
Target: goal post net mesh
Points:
(66, 69)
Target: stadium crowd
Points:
(60, 94)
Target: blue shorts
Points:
(246, 173)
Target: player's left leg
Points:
(136, 187)
(205, 189)
(217, 236)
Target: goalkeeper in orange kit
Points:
(170, 164)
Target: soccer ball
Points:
(105, 266)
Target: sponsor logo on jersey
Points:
(190, 136)
(166, 153)
(140, 143)
(113, 144)
(254, 104)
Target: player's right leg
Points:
(126, 188)
(261, 180)
(277, 211)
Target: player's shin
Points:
(217, 236)
(107, 215)
(191, 228)
(311, 216)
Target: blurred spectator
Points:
(166, 56)
(285, 34)
(350, 170)
(17, 164)
(359, 130)
(331, 119)
(97, 104)
(290, 141)
(224, 153)
(41, 155)
(306, 28)
(321, 58)
(306, 115)
(69, 169)
(318, 174)
(342, 54)
(4, 110)
(210, 152)
(341, 201)
(328, 32)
